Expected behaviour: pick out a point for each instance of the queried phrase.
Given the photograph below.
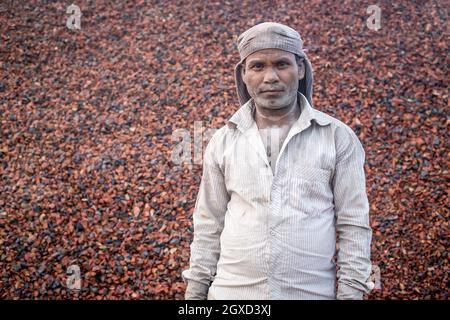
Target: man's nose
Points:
(271, 76)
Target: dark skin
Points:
(271, 77)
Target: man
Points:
(279, 179)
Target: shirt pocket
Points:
(309, 189)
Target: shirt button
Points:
(272, 233)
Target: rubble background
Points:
(87, 116)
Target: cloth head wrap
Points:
(271, 35)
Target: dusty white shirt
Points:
(260, 234)
(272, 139)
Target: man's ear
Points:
(243, 71)
(301, 70)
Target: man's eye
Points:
(282, 64)
(257, 66)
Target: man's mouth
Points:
(272, 92)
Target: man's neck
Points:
(267, 118)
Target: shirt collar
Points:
(243, 117)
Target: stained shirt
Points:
(272, 234)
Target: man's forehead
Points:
(270, 54)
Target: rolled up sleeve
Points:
(352, 218)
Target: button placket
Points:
(274, 208)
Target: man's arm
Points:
(208, 216)
(352, 217)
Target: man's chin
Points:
(273, 104)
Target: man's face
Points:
(271, 77)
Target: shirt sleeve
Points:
(352, 217)
(208, 217)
